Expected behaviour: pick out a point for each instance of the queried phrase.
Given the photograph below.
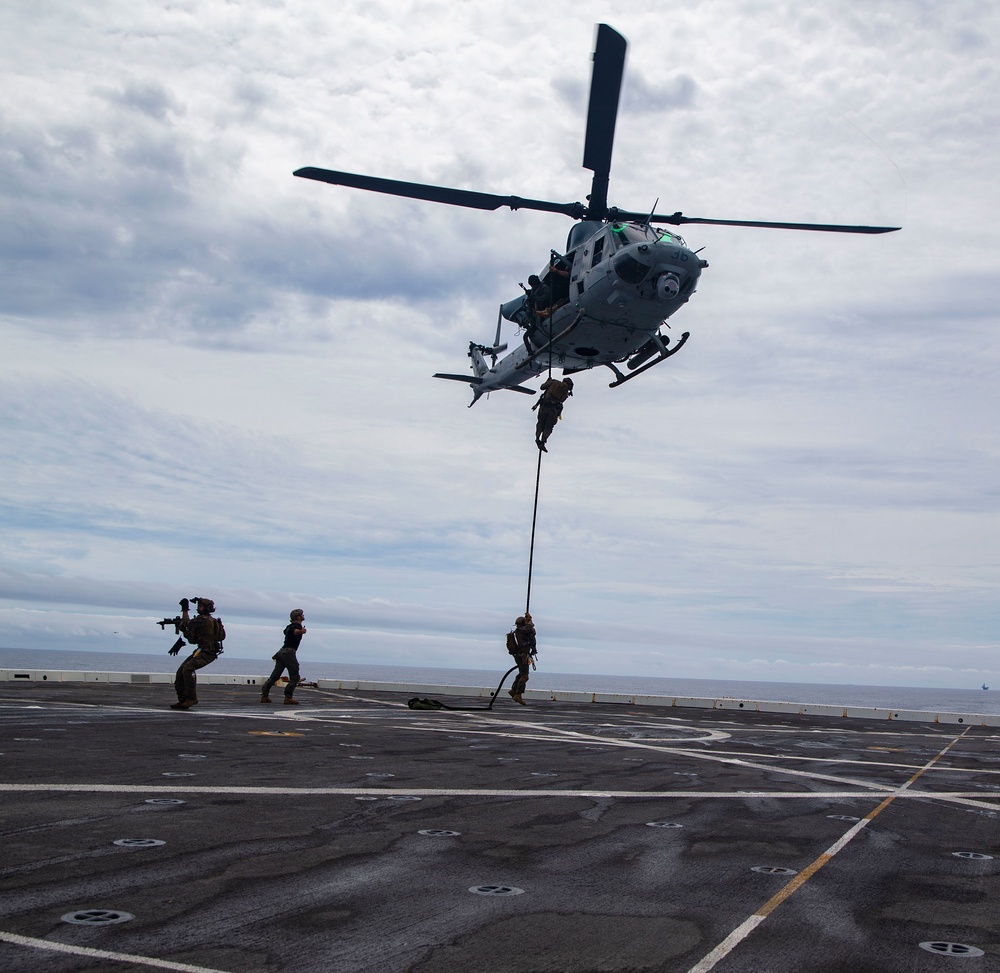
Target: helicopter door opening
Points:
(559, 285)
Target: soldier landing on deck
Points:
(522, 644)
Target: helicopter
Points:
(607, 297)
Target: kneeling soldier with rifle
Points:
(204, 631)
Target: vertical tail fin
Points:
(479, 365)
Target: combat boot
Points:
(291, 702)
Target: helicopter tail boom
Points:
(476, 384)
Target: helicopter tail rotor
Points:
(492, 349)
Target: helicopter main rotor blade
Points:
(602, 113)
(676, 219)
(438, 194)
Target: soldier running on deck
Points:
(285, 658)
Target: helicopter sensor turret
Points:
(667, 287)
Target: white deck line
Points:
(565, 696)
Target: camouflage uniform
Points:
(524, 649)
(207, 633)
(550, 406)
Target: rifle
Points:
(177, 621)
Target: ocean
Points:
(971, 701)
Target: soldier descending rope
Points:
(550, 406)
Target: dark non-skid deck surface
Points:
(348, 833)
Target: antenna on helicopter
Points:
(496, 340)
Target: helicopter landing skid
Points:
(622, 378)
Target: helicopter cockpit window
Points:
(630, 270)
(671, 238)
(598, 250)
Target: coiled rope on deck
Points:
(418, 703)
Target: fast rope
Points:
(534, 521)
(534, 510)
(418, 703)
(433, 704)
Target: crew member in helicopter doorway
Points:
(285, 658)
(522, 644)
(550, 406)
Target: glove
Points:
(176, 647)
(185, 604)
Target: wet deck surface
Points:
(346, 834)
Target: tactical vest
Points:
(206, 632)
(556, 391)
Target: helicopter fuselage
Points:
(610, 293)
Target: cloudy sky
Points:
(216, 378)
